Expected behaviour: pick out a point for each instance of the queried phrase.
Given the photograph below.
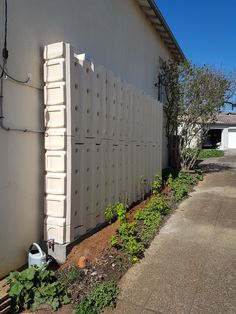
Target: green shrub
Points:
(199, 174)
(133, 246)
(182, 185)
(100, 297)
(151, 218)
(210, 153)
(129, 240)
(36, 286)
(157, 184)
(180, 190)
(114, 241)
(126, 230)
(187, 178)
(158, 203)
(169, 180)
(109, 213)
(119, 210)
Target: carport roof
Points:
(226, 118)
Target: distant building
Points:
(222, 133)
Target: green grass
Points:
(209, 153)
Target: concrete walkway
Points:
(191, 265)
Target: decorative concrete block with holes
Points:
(103, 143)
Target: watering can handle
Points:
(38, 247)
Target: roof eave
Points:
(154, 15)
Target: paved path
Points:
(191, 265)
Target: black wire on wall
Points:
(6, 75)
(5, 53)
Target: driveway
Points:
(190, 266)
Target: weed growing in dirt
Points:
(36, 286)
(70, 275)
(99, 298)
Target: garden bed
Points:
(110, 252)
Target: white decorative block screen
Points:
(103, 143)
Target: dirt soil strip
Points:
(93, 247)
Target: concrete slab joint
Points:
(103, 144)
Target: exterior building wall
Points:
(224, 135)
(224, 139)
(115, 34)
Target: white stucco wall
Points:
(115, 34)
(224, 135)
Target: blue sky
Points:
(205, 30)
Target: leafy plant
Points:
(199, 174)
(127, 239)
(119, 210)
(36, 286)
(109, 213)
(151, 218)
(180, 190)
(135, 259)
(169, 180)
(114, 241)
(100, 297)
(128, 234)
(127, 229)
(158, 203)
(182, 184)
(133, 246)
(157, 184)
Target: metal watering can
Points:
(36, 256)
